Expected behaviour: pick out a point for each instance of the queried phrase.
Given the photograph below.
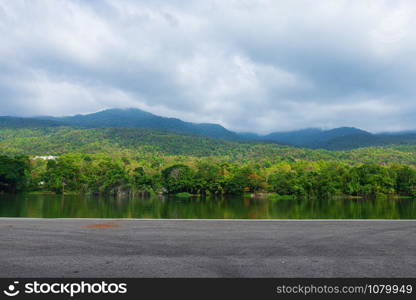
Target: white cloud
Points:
(249, 65)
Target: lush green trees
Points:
(329, 179)
(75, 172)
(375, 179)
(154, 146)
(111, 178)
(285, 183)
(144, 183)
(121, 161)
(301, 178)
(14, 173)
(179, 178)
(405, 180)
(243, 179)
(209, 178)
(63, 174)
(104, 174)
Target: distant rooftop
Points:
(47, 157)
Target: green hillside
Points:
(60, 140)
(136, 118)
(342, 138)
(16, 122)
(130, 161)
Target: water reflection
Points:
(53, 206)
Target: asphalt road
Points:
(205, 248)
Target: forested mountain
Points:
(342, 138)
(127, 161)
(146, 143)
(16, 122)
(136, 118)
(315, 138)
(369, 140)
(121, 161)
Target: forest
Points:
(102, 174)
(142, 144)
(130, 161)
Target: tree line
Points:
(144, 142)
(106, 175)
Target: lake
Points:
(240, 207)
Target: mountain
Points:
(297, 137)
(18, 122)
(249, 136)
(318, 138)
(342, 138)
(151, 147)
(136, 118)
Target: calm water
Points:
(53, 206)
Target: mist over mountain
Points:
(341, 138)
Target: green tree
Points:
(179, 178)
(14, 173)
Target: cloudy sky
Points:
(250, 65)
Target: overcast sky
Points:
(250, 65)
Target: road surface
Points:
(206, 248)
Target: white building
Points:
(49, 157)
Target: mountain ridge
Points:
(137, 118)
(341, 138)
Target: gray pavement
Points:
(206, 248)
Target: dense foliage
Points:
(14, 173)
(129, 161)
(102, 174)
(342, 138)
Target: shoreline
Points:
(260, 195)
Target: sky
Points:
(249, 65)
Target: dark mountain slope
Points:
(17, 122)
(136, 118)
(316, 138)
(150, 145)
(342, 138)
